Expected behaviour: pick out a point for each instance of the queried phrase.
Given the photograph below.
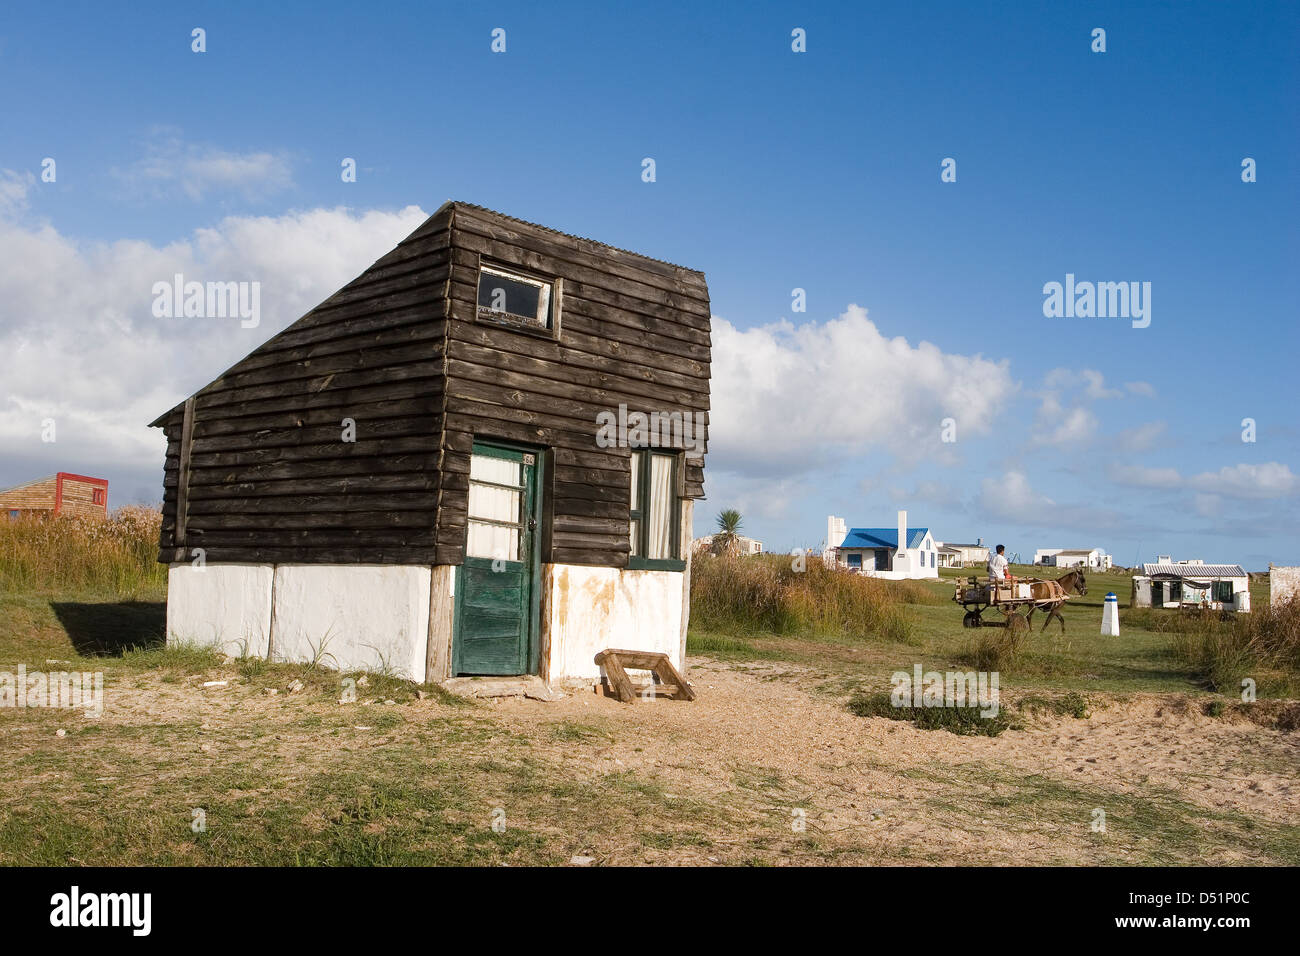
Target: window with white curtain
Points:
(495, 496)
(655, 512)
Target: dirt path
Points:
(758, 741)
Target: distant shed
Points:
(1216, 586)
(62, 493)
(478, 457)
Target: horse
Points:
(1071, 582)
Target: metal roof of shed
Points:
(1195, 570)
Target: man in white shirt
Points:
(998, 565)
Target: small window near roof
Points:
(97, 496)
(505, 295)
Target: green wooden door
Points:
(497, 586)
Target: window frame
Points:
(513, 320)
(639, 511)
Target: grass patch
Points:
(1066, 705)
(965, 721)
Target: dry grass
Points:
(1224, 647)
(767, 594)
(117, 555)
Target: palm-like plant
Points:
(727, 538)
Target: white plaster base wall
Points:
(588, 609)
(1282, 583)
(226, 606)
(366, 616)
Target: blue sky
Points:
(775, 170)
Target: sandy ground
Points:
(764, 767)
(873, 785)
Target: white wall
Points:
(353, 616)
(225, 606)
(1282, 583)
(377, 617)
(588, 609)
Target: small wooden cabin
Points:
(478, 457)
(59, 494)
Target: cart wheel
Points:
(972, 619)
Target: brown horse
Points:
(1071, 582)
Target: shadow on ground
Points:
(108, 629)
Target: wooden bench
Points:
(671, 683)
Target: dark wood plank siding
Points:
(270, 478)
(401, 351)
(633, 331)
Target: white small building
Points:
(955, 555)
(1095, 559)
(743, 545)
(892, 553)
(1215, 586)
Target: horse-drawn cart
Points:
(1017, 600)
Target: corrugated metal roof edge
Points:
(559, 232)
(1195, 570)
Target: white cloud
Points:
(1063, 416)
(1145, 389)
(1140, 476)
(14, 187)
(1269, 480)
(81, 344)
(1011, 498)
(788, 398)
(173, 168)
(1058, 426)
(1141, 437)
(1085, 383)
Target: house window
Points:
(515, 298)
(97, 496)
(496, 490)
(855, 560)
(655, 515)
(13, 515)
(1223, 591)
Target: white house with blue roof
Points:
(876, 551)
